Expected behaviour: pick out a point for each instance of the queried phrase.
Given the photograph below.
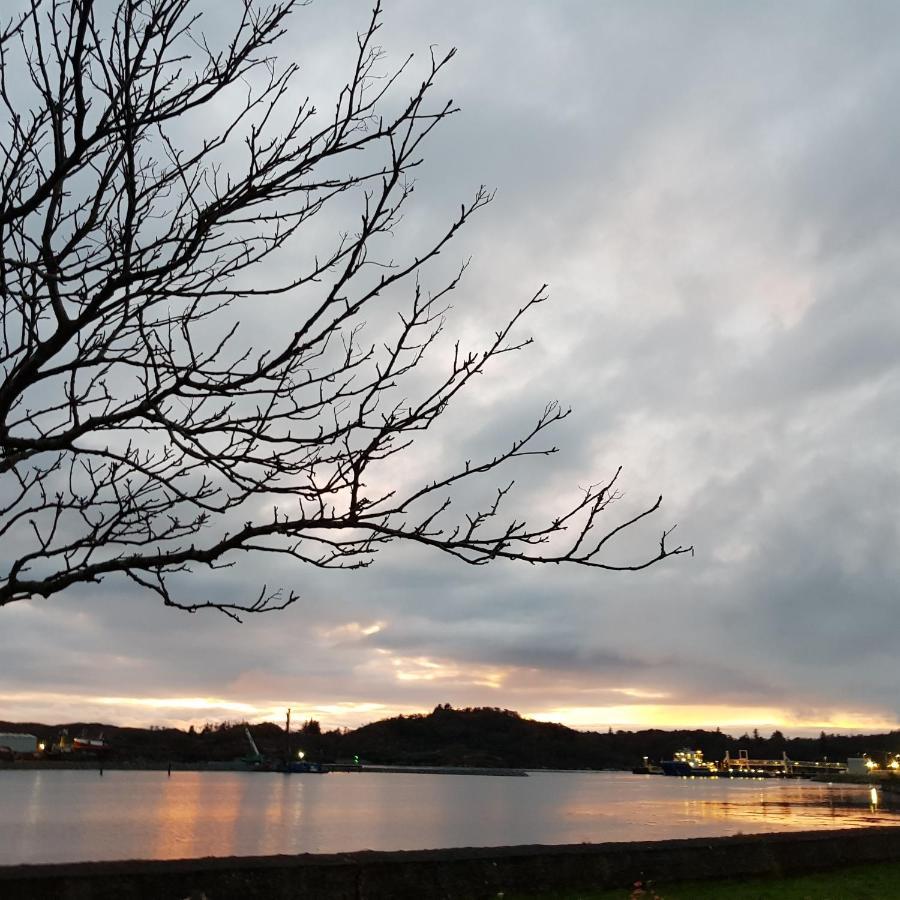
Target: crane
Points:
(254, 758)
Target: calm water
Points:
(77, 815)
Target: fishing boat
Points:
(91, 745)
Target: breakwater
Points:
(453, 873)
(427, 770)
(139, 766)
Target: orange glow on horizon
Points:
(184, 711)
(708, 716)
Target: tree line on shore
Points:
(482, 736)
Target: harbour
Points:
(691, 763)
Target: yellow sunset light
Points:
(195, 704)
(655, 715)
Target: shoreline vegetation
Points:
(471, 738)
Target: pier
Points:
(742, 764)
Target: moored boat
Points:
(93, 745)
(308, 768)
(646, 768)
(689, 763)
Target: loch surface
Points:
(67, 816)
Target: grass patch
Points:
(873, 881)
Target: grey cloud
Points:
(709, 188)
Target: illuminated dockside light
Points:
(694, 758)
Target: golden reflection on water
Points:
(709, 806)
(174, 816)
(282, 811)
(191, 812)
(62, 816)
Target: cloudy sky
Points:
(710, 190)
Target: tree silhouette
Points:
(142, 431)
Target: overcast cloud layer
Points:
(710, 190)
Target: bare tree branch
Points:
(139, 434)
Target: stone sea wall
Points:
(452, 873)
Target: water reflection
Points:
(61, 816)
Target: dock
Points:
(784, 767)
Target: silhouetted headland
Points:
(485, 738)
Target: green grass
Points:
(868, 882)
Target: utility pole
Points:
(287, 743)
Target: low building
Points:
(19, 743)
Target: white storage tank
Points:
(19, 743)
(856, 765)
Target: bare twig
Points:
(136, 437)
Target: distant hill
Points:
(481, 736)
